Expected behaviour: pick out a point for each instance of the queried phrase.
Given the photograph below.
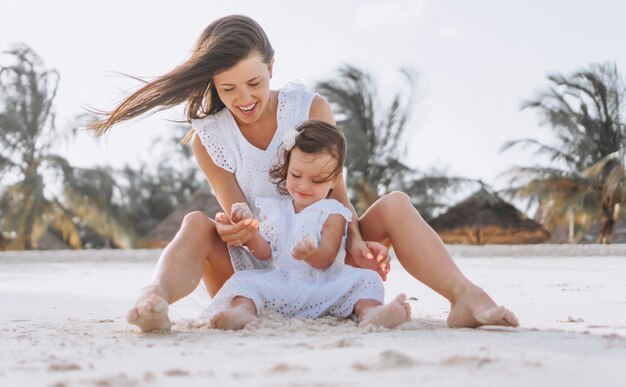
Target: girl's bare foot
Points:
(391, 315)
(150, 311)
(474, 308)
(233, 318)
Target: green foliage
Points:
(585, 113)
(375, 137)
(40, 190)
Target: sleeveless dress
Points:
(293, 288)
(229, 150)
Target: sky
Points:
(477, 62)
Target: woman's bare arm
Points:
(227, 192)
(224, 183)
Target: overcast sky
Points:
(477, 61)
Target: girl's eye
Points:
(227, 90)
(296, 176)
(254, 84)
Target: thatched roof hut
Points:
(485, 218)
(202, 200)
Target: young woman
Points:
(238, 122)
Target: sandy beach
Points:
(62, 324)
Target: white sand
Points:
(62, 324)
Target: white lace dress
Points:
(294, 288)
(229, 149)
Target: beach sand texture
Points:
(62, 324)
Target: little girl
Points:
(304, 235)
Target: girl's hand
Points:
(373, 256)
(304, 248)
(240, 211)
(235, 234)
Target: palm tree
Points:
(585, 112)
(38, 188)
(373, 134)
(375, 141)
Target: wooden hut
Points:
(202, 200)
(484, 218)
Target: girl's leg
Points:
(373, 313)
(240, 313)
(393, 219)
(195, 253)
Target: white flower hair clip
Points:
(289, 139)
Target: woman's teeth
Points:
(247, 108)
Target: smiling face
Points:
(309, 177)
(245, 88)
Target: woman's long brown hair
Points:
(221, 45)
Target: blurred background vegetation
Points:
(44, 198)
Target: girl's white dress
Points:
(294, 288)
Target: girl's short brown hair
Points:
(313, 137)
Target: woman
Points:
(237, 123)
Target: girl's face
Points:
(245, 88)
(307, 177)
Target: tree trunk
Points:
(608, 223)
(365, 197)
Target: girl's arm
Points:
(369, 255)
(259, 247)
(322, 257)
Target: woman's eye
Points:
(254, 84)
(296, 176)
(227, 90)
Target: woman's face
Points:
(245, 88)
(307, 177)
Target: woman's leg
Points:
(241, 312)
(373, 313)
(195, 253)
(393, 219)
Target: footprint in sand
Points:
(342, 343)
(63, 367)
(284, 368)
(387, 360)
(176, 372)
(465, 360)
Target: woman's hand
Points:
(235, 234)
(371, 255)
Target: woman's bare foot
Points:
(150, 311)
(474, 308)
(391, 315)
(236, 317)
